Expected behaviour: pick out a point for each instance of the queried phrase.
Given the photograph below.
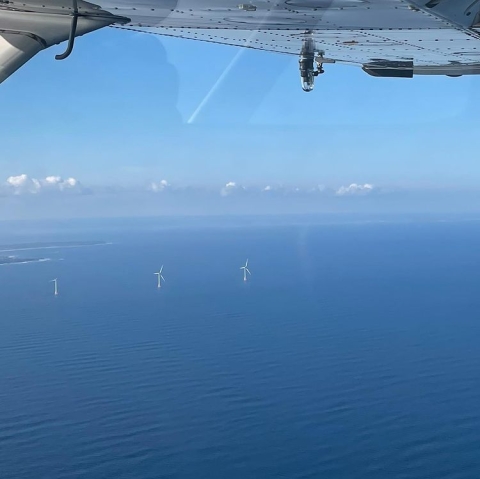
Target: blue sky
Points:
(126, 110)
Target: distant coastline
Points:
(5, 260)
(7, 248)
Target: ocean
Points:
(351, 352)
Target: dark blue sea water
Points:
(353, 352)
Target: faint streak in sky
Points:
(215, 86)
(220, 79)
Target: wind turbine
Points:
(160, 277)
(56, 285)
(245, 271)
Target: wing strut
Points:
(73, 32)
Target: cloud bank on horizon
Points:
(28, 197)
(24, 184)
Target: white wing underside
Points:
(441, 39)
(434, 37)
(358, 36)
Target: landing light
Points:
(307, 72)
(308, 83)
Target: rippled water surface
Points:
(353, 352)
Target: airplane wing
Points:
(387, 38)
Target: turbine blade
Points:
(162, 277)
(161, 269)
(246, 264)
(248, 271)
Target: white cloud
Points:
(53, 180)
(230, 188)
(23, 184)
(160, 186)
(70, 183)
(355, 189)
(58, 183)
(275, 188)
(17, 181)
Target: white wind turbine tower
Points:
(160, 277)
(245, 271)
(55, 281)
